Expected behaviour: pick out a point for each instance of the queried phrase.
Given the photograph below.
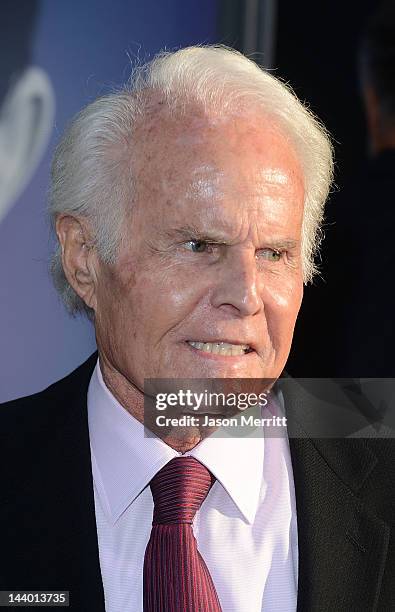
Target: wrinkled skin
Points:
(237, 184)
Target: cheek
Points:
(282, 304)
(160, 302)
(112, 320)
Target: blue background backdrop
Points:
(84, 48)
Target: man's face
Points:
(212, 254)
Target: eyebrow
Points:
(190, 232)
(287, 244)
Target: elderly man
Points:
(187, 208)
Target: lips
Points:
(220, 347)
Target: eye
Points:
(197, 246)
(270, 254)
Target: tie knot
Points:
(179, 490)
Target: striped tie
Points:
(176, 578)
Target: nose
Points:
(237, 284)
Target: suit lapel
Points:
(342, 544)
(75, 505)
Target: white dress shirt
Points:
(246, 528)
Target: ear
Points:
(79, 258)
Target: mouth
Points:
(221, 348)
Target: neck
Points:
(131, 398)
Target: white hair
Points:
(90, 176)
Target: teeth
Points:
(220, 348)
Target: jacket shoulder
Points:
(33, 427)
(32, 409)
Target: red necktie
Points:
(176, 578)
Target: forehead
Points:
(199, 134)
(200, 160)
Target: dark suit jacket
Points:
(48, 540)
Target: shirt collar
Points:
(124, 461)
